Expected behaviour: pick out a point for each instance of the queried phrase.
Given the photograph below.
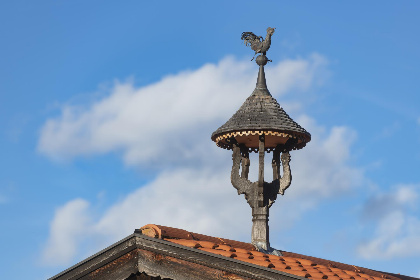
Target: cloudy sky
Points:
(107, 107)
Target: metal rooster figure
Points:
(256, 43)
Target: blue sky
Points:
(107, 107)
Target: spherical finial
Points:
(261, 60)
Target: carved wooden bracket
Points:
(260, 195)
(270, 190)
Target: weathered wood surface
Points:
(119, 269)
(98, 260)
(173, 268)
(142, 276)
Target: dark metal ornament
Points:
(256, 43)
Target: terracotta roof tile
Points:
(219, 252)
(261, 262)
(327, 272)
(279, 264)
(317, 278)
(344, 275)
(364, 275)
(290, 260)
(259, 254)
(188, 243)
(292, 263)
(300, 273)
(208, 244)
(242, 251)
(244, 255)
(317, 274)
(307, 262)
(226, 248)
(323, 267)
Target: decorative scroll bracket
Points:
(260, 195)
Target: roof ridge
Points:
(162, 232)
(292, 263)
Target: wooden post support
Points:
(276, 164)
(245, 161)
(260, 232)
(261, 153)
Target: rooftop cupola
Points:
(261, 125)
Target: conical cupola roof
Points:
(261, 114)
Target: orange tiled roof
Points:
(296, 264)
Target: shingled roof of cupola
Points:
(261, 114)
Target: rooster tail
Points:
(248, 37)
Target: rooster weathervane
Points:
(257, 43)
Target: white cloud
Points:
(172, 118)
(169, 123)
(397, 227)
(69, 224)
